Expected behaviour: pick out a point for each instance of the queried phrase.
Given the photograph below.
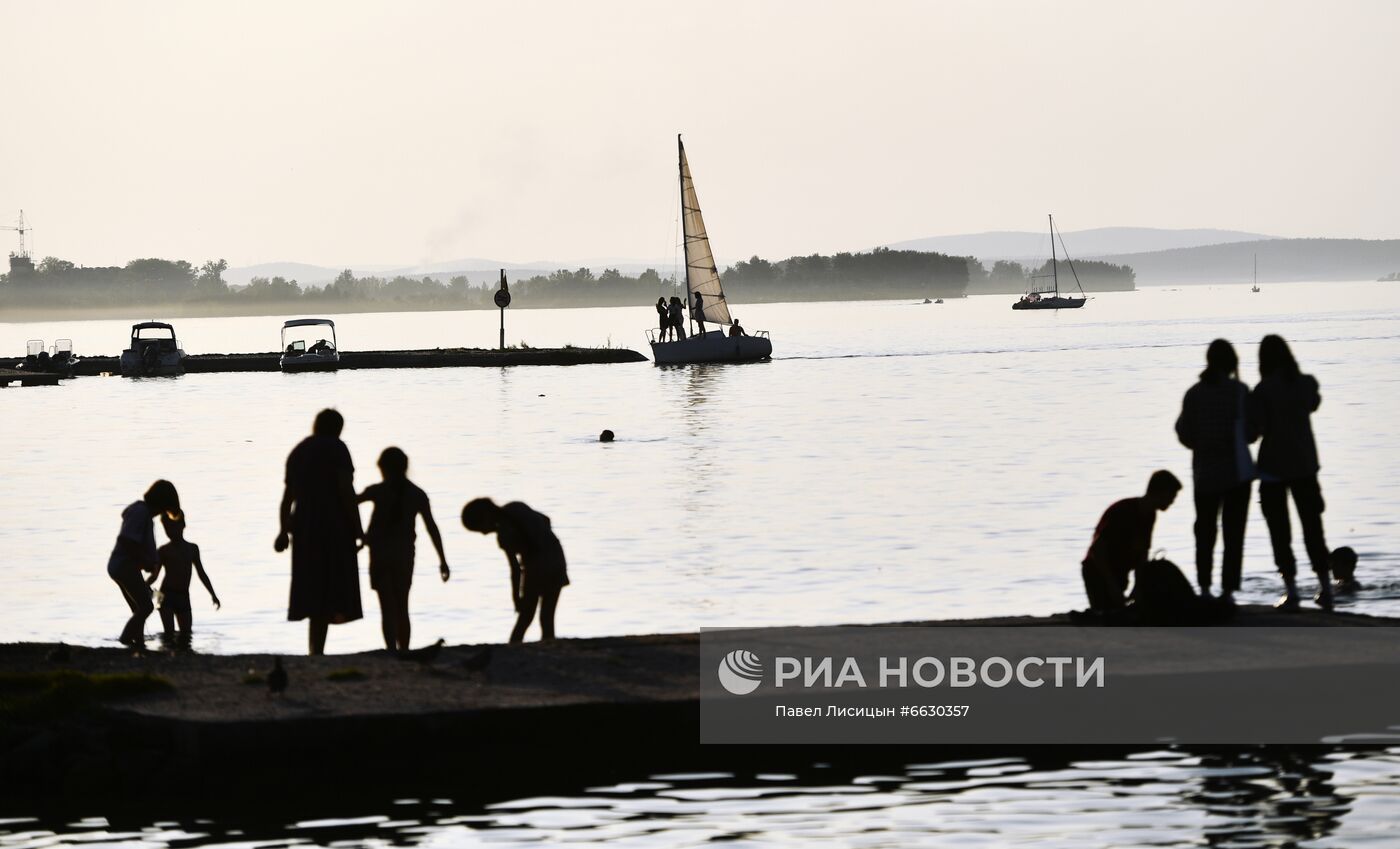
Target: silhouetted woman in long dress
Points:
(320, 514)
(1281, 409)
(1213, 425)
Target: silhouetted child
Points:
(398, 503)
(1343, 562)
(537, 569)
(179, 558)
(1122, 541)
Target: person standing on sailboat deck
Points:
(663, 316)
(698, 313)
(1212, 424)
(1280, 411)
(677, 312)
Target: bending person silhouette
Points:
(1122, 541)
(320, 516)
(135, 551)
(180, 558)
(398, 502)
(1213, 425)
(1281, 409)
(537, 568)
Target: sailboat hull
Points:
(1050, 304)
(713, 347)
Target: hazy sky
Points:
(412, 132)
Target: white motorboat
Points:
(301, 353)
(154, 351)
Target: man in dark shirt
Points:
(1122, 541)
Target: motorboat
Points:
(56, 359)
(301, 353)
(154, 351)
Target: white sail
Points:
(701, 275)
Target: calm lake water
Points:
(1159, 798)
(896, 461)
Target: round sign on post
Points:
(503, 301)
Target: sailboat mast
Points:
(1256, 269)
(1054, 264)
(685, 236)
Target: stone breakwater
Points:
(434, 358)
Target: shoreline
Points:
(576, 706)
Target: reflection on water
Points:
(1258, 798)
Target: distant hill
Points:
(1280, 261)
(1103, 241)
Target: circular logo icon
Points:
(740, 672)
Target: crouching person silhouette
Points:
(1122, 541)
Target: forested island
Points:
(1007, 277)
(180, 288)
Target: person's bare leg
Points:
(402, 630)
(167, 621)
(548, 602)
(316, 633)
(386, 618)
(525, 617)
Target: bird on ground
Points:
(277, 678)
(427, 654)
(479, 661)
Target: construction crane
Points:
(22, 230)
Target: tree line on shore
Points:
(877, 274)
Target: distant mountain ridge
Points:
(1102, 241)
(1280, 261)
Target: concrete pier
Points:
(434, 358)
(572, 709)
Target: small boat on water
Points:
(702, 283)
(56, 359)
(1051, 299)
(1255, 287)
(321, 355)
(154, 351)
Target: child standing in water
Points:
(398, 503)
(179, 558)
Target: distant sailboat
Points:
(702, 281)
(1255, 288)
(1050, 299)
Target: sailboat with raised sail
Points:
(702, 288)
(1255, 287)
(1051, 299)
